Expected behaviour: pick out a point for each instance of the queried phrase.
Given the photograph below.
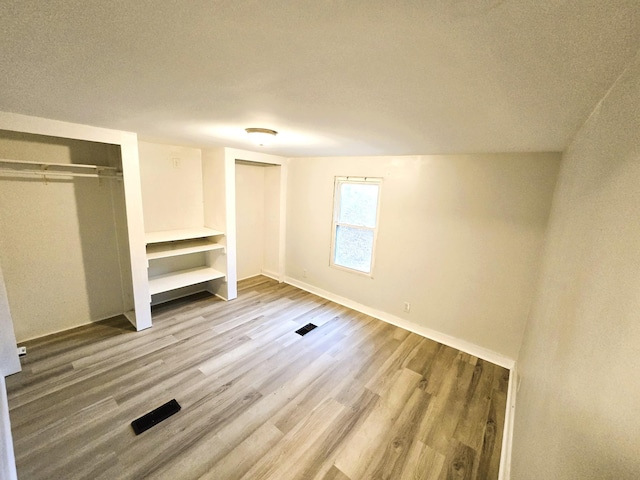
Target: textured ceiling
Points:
(334, 77)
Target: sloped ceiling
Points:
(334, 77)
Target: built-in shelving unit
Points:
(173, 243)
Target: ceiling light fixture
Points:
(261, 136)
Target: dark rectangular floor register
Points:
(156, 416)
(306, 329)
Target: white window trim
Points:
(334, 223)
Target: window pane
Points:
(354, 248)
(358, 204)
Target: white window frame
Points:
(335, 223)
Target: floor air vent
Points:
(156, 416)
(306, 329)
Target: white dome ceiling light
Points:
(261, 136)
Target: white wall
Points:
(62, 243)
(171, 179)
(578, 410)
(459, 239)
(250, 219)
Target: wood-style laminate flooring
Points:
(356, 398)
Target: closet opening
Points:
(64, 242)
(259, 219)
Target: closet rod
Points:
(50, 173)
(16, 167)
(46, 165)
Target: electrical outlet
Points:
(176, 162)
(304, 273)
(22, 351)
(407, 307)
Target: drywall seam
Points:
(457, 343)
(596, 109)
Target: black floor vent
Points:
(306, 329)
(154, 417)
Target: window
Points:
(355, 223)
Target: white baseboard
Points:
(219, 296)
(454, 342)
(265, 273)
(507, 435)
(273, 275)
(457, 343)
(249, 276)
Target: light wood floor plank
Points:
(359, 452)
(245, 455)
(390, 460)
(423, 463)
(285, 459)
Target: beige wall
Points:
(459, 239)
(578, 408)
(62, 243)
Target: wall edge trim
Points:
(8, 461)
(504, 473)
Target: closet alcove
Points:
(64, 246)
(185, 222)
(258, 218)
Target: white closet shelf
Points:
(182, 278)
(164, 250)
(180, 234)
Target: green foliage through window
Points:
(355, 223)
